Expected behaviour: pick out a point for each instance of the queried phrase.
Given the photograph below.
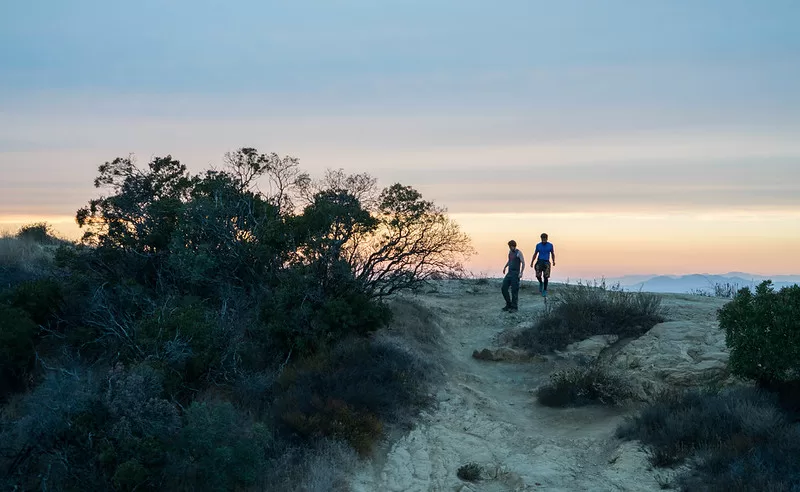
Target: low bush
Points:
(584, 386)
(471, 472)
(736, 439)
(338, 420)
(726, 290)
(415, 325)
(581, 311)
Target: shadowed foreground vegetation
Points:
(734, 440)
(588, 385)
(208, 335)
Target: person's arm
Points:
(505, 266)
(521, 263)
(533, 260)
(553, 254)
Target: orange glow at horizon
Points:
(594, 245)
(606, 244)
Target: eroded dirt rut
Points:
(486, 413)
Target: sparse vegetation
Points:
(736, 439)
(207, 334)
(581, 311)
(726, 290)
(579, 386)
(471, 472)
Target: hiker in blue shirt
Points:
(544, 251)
(515, 266)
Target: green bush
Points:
(219, 449)
(581, 311)
(130, 475)
(762, 330)
(335, 419)
(186, 336)
(303, 315)
(736, 439)
(351, 391)
(471, 472)
(41, 299)
(46, 438)
(39, 232)
(17, 333)
(584, 386)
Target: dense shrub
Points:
(17, 332)
(40, 299)
(227, 326)
(349, 392)
(738, 439)
(584, 386)
(581, 311)
(303, 315)
(219, 449)
(186, 335)
(43, 438)
(39, 232)
(762, 330)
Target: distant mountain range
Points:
(698, 282)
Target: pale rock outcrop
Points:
(589, 349)
(501, 354)
(675, 354)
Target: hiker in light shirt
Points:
(513, 273)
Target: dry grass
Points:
(22, 260)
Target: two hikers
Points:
(516, 265)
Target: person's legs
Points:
(538, 270)
(504, 290)
(546, 272)
(514, 292)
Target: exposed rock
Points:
(675, 354)
(507, 336)
(501, 354)
(589, 349)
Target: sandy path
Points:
(486, 413)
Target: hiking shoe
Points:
(507, 308)
(544, 293)
(512, 310)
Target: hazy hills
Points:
(698, 282)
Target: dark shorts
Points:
(542, 267)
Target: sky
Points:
(644, 136)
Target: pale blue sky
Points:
(612, 106)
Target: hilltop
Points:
(486, 411)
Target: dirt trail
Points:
(486, 413)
